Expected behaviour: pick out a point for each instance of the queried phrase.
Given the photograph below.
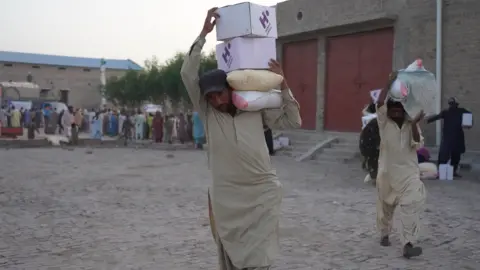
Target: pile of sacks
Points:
(248, 34)
(416, 88)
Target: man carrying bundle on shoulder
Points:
(246, 193)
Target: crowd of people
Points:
(51, 119)
(140, 125)
(128, 124)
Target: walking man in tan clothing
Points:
(398, 179)
(245, 193)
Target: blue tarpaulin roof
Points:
(65, 61)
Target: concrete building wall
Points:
(82, 84)
(414, 23)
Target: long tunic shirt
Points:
(398, 161)
(246, 193)
(453, 138)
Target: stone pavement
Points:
(142, 209)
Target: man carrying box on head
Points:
(246, 193)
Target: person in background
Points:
(96, 126)
(149, 126)
(33, 117)
(105, 116)
(139, 125)
(86, 120)
(121, 119)
(9, 116)
(157, 124)
(30, 124)
(16, 115)
(169, 125)
(67, 121)
(112, 129)
(52, 122)
(22, 117)
(46, 118)
(269, 139)
(74, 128)
(3, 117)
(398, 178)
(26, 118)
(78, 119)
(423, 155)
(189, 126)
(60, 124)
(246, 194)
(198, 131)
(452, 145)
(182, 128)
(127, 128)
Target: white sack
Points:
(257, 100)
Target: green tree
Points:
(208, 62)
(128, 89)
(171, 79)
(156, 83)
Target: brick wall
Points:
(414, 22)
(82, 84)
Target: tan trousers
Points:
(224, 261)
(410, 204)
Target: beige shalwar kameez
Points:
(398, 180)
(246, 193)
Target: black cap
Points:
(213, 81)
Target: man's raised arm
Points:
(289, 115)
(191, 63)
(189, 73)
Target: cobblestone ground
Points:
(139, 209)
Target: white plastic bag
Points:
(367, 118)
(256, 100)
(416, 88)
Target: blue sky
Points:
(105, 28)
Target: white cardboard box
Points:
(467, 120)
(245, 53)
(445, 172)
(246, 20)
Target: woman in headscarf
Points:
(169, 127)
(16, 115)
(157, 124)
(149, 134)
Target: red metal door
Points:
(356, 64)
(300, 67)
(376, 56)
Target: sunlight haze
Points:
(105, 28)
